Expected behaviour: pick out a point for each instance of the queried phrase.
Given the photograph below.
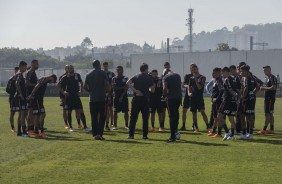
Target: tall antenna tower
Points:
(190, 22)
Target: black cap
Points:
(267, 66)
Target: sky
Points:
(61, 23)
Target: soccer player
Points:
(97, 84)
(73, 85)
(109, 97)
(63, 99)
(31, 81)
(11, 90)
(269, 100)
(156, 103)
(165, 72)
(196, 90)
(216, 96)
(248, 101)
(140, 84)
(21, 99)
(120, 96)
(37, 94)
(173, 94)
(237, 79)
(186, 102)
(229, 105)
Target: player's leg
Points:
(184, 116)
(145, 117)
(233, 126)
(69, 112)
(271, 117)
(153, 114)
(30, 118)
(77, 116)
(125, 110)
(135, 109)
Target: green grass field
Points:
(76, 158)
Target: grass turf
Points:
(76, 158)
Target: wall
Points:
(208, 60)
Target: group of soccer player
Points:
(26, 97)
(233, 94)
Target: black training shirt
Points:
(173, 81)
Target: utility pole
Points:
(190, 22)
(167, 46)
(263, 44)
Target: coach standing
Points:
(172, 93)
(141, 84)
(96, 83)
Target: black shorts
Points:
(215, 108)
(249, 106)
(21, 104)
(197, 104)
(121, 106)
(229, 108)
(62, 102)
(269, 105)
(38, 107)
(186, 102)
(73, 102)
(29, 103)
(14, 106)
(156, 105)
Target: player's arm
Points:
(129, 84)
(245, 89)
(34, 90)
(165, 89)
(230, 90)
(273, 86)
(18, 87)
(190, 92)
(85, 86)
(200, 83)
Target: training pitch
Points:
(76, 158)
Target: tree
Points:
(86, 43)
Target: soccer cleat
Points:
(211, 134)
(25, 135)
(183, 128)
(19, 134)
(196, 130)
(152, 129)
(269, 131)
(70, 130)
(250, 136)
(226, 136)
(130, 137)
(30, 132)
(161, 129)
(13, 130)
(261, 132)
(107, 128)
(66, 127)
(126, 128)
(209, 130)
(145, 137)
(231, 138)
(114, 128)
(87, 129)
(216, 136)
(170, 140)
(242, 137)
(43, 135)
(79, 126)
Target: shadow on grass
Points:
(265, 141)
(181, 141)
(127, 141)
